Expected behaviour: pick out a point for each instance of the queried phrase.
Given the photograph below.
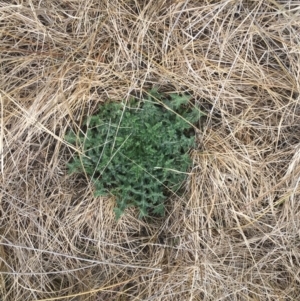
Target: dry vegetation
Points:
(236, 235)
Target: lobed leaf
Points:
(139, 154)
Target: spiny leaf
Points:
(134, 154)
(179, 100)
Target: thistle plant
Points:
(138, 152)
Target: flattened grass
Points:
(237, 236)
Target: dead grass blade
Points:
(234, 235)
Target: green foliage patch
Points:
(139, 151)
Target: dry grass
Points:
(237, 237)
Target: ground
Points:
(234, 234)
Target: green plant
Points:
(138, 152)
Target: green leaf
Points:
(134, 154)
(179, 100)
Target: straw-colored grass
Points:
(237, 234)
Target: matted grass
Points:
(236, 234)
